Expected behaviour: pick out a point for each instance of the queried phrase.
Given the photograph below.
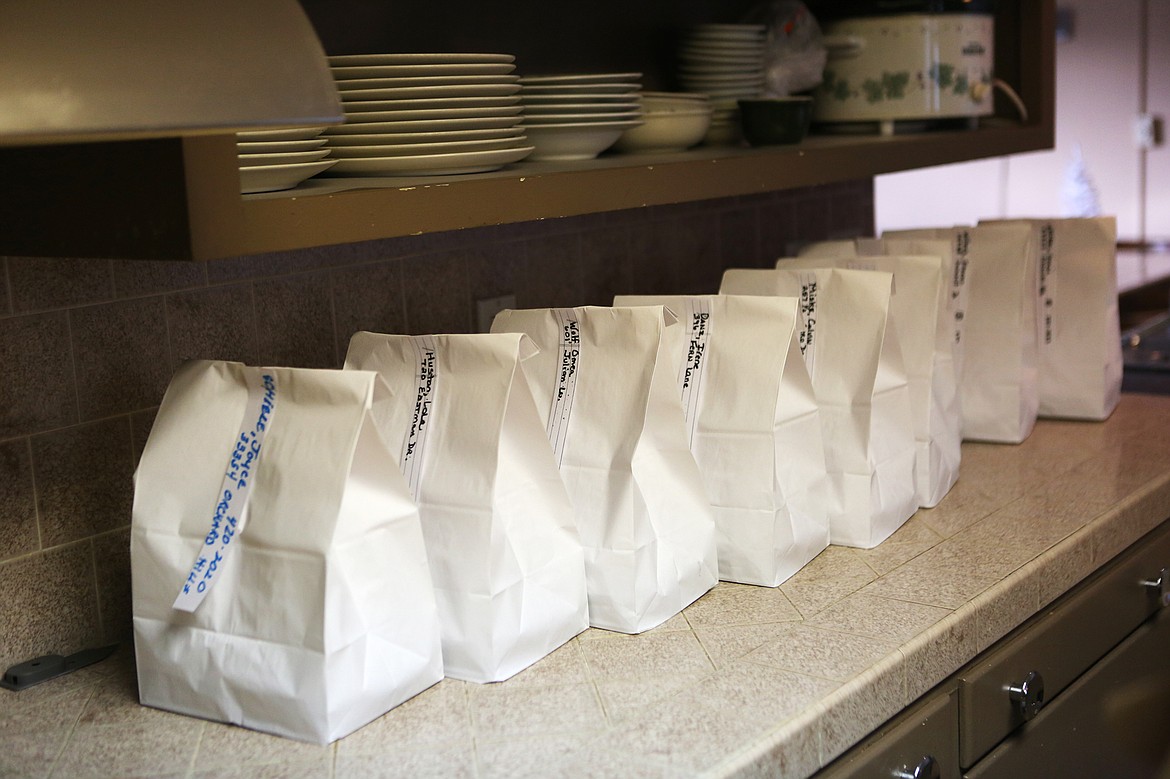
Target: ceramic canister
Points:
(908, 66)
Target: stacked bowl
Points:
(673, 121)
(578, 116)
(725, 61)
(272, 160)
(426, 114)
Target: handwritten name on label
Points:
(807, 314)
(427, 385)
(957, 303)
(568, 366)
(1047, 266)
(227, 517)
(693, 369)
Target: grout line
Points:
(69, 736)
(338, 358)
(97, 589)
(32, 473)
(193, 763)
(73, 365)
(8, 289)
(62, 428)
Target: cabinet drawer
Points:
(1058, 645)
(928, 730)
(1109, 723)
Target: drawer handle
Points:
(1028, 695)
(1160, 586)
(926, 768)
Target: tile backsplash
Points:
(87, 348)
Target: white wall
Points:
(1098, 77)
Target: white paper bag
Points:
(920, 309)
(1080, 332)
(508, 568)
(269, 494)
(852, 354)
(753, 426)
(606, 392)
(999, 394)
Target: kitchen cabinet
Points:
(177, 198)
(1081, 689)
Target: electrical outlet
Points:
(487, 308)
(1147, 131)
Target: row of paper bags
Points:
(462, 505)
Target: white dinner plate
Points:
(426, 125)
(285, 158)
(440, 136)
(431, 92)
(430, 164)
(720, 80)
(423, 104)
(432, 113)
(278, 147)
(617, 87)
(270, 178)
(749, 61)
(354, 60)
(344, 74)
(529, 98)
(706, 69)
(345, 87)
(281, 134)
(580, 108)
(594, 118)
(449, 147)
(581, 78)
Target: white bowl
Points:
(666, 131)
(573, 141)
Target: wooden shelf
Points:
(178, 198)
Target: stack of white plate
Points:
(272, 160)
(725, 61)
(426, 114)
(578, 116)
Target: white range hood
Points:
(77, 71)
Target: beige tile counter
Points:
(748, 681)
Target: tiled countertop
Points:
(747, 681)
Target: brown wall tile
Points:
(37, 389)
(83, 476)
(18, 511)
(552, 273)
(605, 264)
(111, 554)
(437, 294)
(368, 297)
(212, 324)
(135, 278)
(300, 309)
(5, 296)
(120, 353)
(141, 423)
(294, 322)
(49, 604)
(40, 283)
(739, 238)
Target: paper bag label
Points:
(693, 369)
(958, 279)
(227, 517)
(427, 384)
(568, 364)
(808, 318)
(1047, 266)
